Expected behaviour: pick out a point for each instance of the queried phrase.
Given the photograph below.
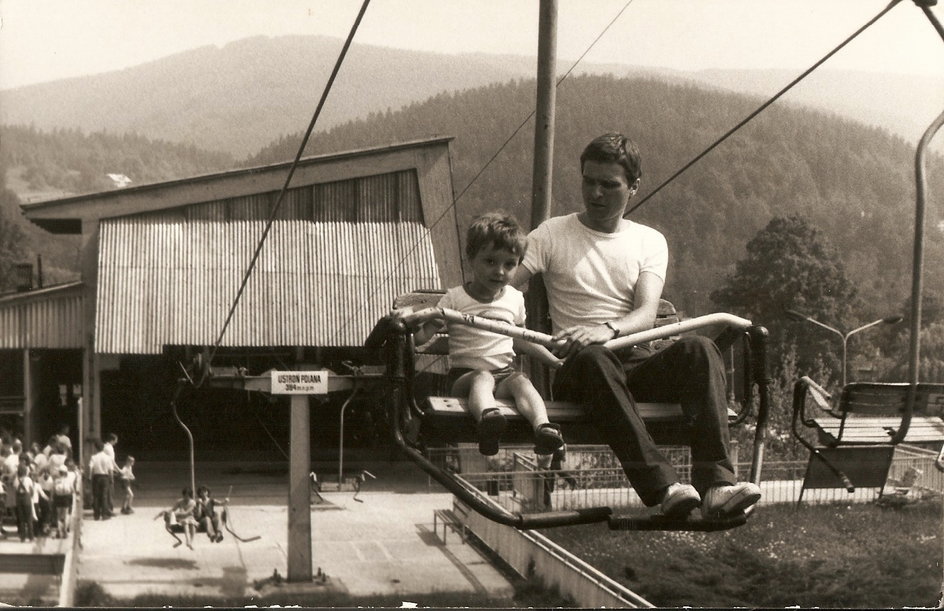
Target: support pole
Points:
(299, 494)
(544, 114)
(542, 175)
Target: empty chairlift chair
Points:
(856, 438)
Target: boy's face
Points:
(492, 269)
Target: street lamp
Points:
(797, 316)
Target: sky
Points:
(44, 40)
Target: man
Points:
(109, 448)
(62, 437)
(101, 466)
(604, 277)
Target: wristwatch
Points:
(609, 325)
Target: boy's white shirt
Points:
(474, 348)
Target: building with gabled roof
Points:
(162, 265)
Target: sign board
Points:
(299, 382)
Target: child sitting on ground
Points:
(126, 479)
(482, 362)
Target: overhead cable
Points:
(763, 106)
(288, 178)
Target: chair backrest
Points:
(889, 399)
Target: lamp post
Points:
(797, 316)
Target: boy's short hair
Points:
(496, 229)
(616, 147)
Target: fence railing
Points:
(591, 476)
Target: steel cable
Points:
(763, 106)
(288, 178)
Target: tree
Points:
(12, 239)
(789, 265)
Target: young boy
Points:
(482, 362)
(27, 495)
(64, 487)
(126, 478)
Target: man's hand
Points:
(577, 338)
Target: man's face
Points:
(605, 189)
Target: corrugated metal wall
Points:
(329, 269)
(50, 320)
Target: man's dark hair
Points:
(615, 147)
(497, 229)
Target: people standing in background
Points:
(101, 467)
(126, 479)
(64, 488)
(62, 437)
(110, 442)
(46, 513)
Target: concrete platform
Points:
(382, 545)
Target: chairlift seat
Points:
(878, 429)
(871, 412)
(447, 419)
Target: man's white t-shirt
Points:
(477, 348)
(590, 275)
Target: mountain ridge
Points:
(198, 96)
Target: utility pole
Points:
(543, 170)
(544, 114)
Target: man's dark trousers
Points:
(690, 372)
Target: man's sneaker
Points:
(726, 501)
(679, 500)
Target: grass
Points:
(814, 556)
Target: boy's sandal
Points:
(490, 429)
(548, 439)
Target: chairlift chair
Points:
(856, 438)
(422, 414)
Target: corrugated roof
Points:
(50, 317)
(315, 284)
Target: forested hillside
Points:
(72, 161)
(854, 183)
(41, 165)
(238, 97)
